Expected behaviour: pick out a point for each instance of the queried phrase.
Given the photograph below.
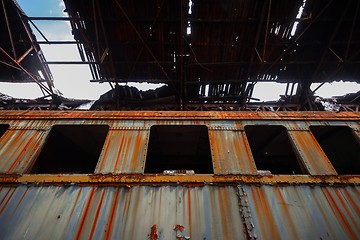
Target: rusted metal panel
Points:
(124, 151)
(156, 115)
(160, 179)
(231, 153)
(207, 212)
(311, 153)
(18, 149)
(305, 212)
(119, 213)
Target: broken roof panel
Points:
(189, 44)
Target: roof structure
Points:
(211, 54)
(21, 59)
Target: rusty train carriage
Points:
(119, 199)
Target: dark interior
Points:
(71, 149)
(179, 148)
(3, 128)
(341, 146)
(272, 149)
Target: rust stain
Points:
(153, 233)
(195, 115)
(285, 208)
(113, 209)
(76, 201)
(338, 212)
(7, 201)
(265, 211)
(343, 204)
(82, 223)
(119, 152)
(105, 151)
(313, 153)
(97, 214)
(223, 214)
(137, 147)
(353, 204)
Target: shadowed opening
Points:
(71, 149)
(341, 146)
(179, 148)
(272, 149)
(3, 128)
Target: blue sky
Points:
(73, 81)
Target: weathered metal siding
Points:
(124, 151)
(118, 213)
(311, 153)
(206, 212)
(231, 152)
(18, 149)
(125, 147)
(305, 212)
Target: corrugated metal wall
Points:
(211, 210)
(124, 150)
(208, 212)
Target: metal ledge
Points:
(137, 179)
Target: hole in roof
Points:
(268, 91)
(179, 147)
(272, 149)
(71, 149)
(298, 16)
(340, 88)
(341, 145)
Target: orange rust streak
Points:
(195, 115)
(13, 141)
(136, 151)
(24, 148)
(284, 206)
(126, 203)
(248, 152)
(97, 214)
(223, 215)
(265, 208)
(105, 151)
(85, 214)
(108, 230)
(3, 199)
(119, 152)
(354, 204)
(336, 209)
(76, 200)
(346, 209)
(2, 209)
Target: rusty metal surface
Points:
(306, 212)
(118, 213)
(18, 149)
(206, 212)
(124, 151)
(125, 147)
(311, 153)
(231, 153)
(353, 116)
(160, 179)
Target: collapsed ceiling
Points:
(210, 54)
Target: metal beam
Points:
(136, 179)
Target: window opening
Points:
(175, 149)
(341, 146)
(272, 149)
(3, 128)
(71, 149)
